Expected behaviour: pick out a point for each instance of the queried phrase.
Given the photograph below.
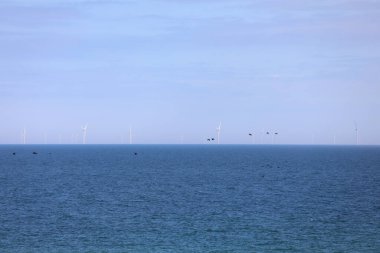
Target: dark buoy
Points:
(208, 139)
(135, 153)
(213, 139)
(14, 153)
(35, 153)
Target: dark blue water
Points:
(203, 198)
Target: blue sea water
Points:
(189, 198)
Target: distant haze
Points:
(174, 69)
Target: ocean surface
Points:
(189, 198)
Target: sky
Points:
(174, 69)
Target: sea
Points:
(189, 198)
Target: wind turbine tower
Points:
(84, 129)
(356, 133)
(218, 131)
(24, 136)
(130, 135)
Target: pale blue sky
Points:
(174, 68)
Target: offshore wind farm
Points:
(272, 138)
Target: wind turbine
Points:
(218, 131)
(24, 136)
(84, 129)
(130, 135)
(356, 133)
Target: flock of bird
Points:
(250, 134)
